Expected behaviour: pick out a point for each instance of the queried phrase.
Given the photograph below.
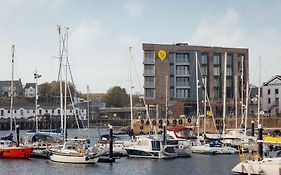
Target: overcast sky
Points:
(102, 31)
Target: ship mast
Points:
(12, 89)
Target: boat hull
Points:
(15, 152)
(72, 159)
(268, 166)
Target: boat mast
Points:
(235, 93)
(246, 106)
(60, 77)
(36, 76)
(166, 114)
(12, 90)
(66, 83)
(197, 96)
(224, 93)
(242, 91)
(205, 102)
(131, 86)
(259, 93)
(88, 107)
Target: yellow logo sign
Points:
(162, 54)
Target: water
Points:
(196, 165)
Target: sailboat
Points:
(8, 148)
(73, 150)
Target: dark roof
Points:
(272, 79)
(29, 85)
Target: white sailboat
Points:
(73, 150)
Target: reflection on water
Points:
(196, 165)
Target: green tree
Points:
(117, 97)
(51, 91)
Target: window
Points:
(217, 92)
(172, 93)
(149, 69)
(268, 100)
(229, 59)
(2, 113)
(217, 82)
(276, 101)
(9, 111)
(155, 145)
(58, 111)
(229, 71)
(171, 58)
(240, 63)
(21, 112)
(182, 81)
(172, 69)
(217, 59)
(217, 71)
(182, 70)
(204, 58)
(204, 70)
(172, 81)
(182, 93)
(268, 91)
(40, 112)
(276, 91)
(149, 92)
(149, 81)
(149, 57)
(228, 82)
(182, 58)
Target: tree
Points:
(117, 97)
(51, 91)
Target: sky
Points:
(101, 32)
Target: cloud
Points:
(133, 8)
(221, 31)
(85, 32)
(229, 30)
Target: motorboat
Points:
(8, 149)
(150, 147)
(268, 166)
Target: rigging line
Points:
(135, 69)
(214, 122)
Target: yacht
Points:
(150, 147)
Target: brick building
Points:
(177, 62)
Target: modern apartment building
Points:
(178, 63)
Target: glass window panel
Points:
(217, 59)
(182, 70)
(172, 69)
(182, 93)
(229, 71)
(217, 71)
(149, 81)
(149, 56)
(172, 81)
(182, 81)
(204, 58)
(182, 58)
(149, 69)
(229, 59)
(149, 92)
(204, 70)
(171, 58)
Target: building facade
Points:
(178, 63)
(29, 112)
(271, 95)
(29, 90)
(5, 88)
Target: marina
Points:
(198, 164)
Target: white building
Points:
(29, 90)
(271, 95)
(28, 112)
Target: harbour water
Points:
(196, 165)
